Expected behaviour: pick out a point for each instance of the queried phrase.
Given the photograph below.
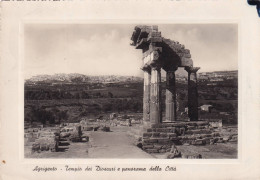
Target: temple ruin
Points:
(161, 53)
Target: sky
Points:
(104, 49)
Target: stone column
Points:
(146, 96)
(192, 93)
(155, 95)
(170, 101)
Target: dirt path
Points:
(115, 144)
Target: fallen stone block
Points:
(105, 129)
(64, 143)
(36, 147)
(44, 147)
(89, 128)
(174, 153)
(152, 150)
(195, 156)
(85, 139)
(226, 138)
(199, 142)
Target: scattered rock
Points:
(174, 153)
(196, 156)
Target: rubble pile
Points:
(47, 140)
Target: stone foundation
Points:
(160, 137)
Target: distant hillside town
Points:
(218, 75)
(79, 78)
(215, 76)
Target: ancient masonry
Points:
(160, 53)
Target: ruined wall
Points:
(160, 137)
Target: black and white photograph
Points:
(123, 90)
(131, 91)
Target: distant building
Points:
(206, 107)
(218, 74)
(113, 115)
(216, 79)
(203, 78)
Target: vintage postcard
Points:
(129, 89)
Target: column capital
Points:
(155, 65)
(192, 69)
(146, 68)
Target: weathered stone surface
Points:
(206, 135)
(148, 146)
(170, 93)
(192, 93)
(146, 97)
(164, 141)
(147, 134)
(172, 135)
(198, 131)
(202, 123)
(215, 134)
(171, 129)
(199, 142)
(186, 61)
(179, 124)
(191, 127)
(195, 156)
(163, 130)
(156, 125)
(180, 135)
(149, 130)
(180, 131)
(162, 150)
(167, 125)
(152, 150)
(157, 146)
(156, 134)
(150, 140)
(163, 135)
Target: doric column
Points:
(192, 93)
(170, 101)
(155, 95)
(146, 96)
